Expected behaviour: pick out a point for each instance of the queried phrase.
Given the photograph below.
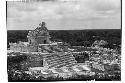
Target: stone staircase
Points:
(58, 61)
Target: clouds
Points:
(102, 5)
(91, 8)
(61, 10)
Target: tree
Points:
(100, 43)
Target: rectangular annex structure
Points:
(58, 61)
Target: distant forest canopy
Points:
(73, 37)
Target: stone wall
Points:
(33, 60)
(23, 48)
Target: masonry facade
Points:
(35, 37)
(39, 36)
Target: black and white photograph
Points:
(63, 40)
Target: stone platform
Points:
(63, 71)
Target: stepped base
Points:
(58, 61)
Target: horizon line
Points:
(64, 29)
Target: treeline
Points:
(73, 37)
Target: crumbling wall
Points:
(23, 48)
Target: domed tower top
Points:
(42, 26)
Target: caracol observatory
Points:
(38, 41)
(40, 35)
(46, 55)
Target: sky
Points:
(64, 14)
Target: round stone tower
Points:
(40, 35)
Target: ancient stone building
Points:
(39, 36)
(35, 37)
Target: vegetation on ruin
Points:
(104, 60)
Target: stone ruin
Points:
(39, 36)
(39, 42)
(35, 37)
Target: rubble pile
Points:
(104, 59)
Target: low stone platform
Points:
(64, 71)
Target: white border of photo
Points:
(3, 46)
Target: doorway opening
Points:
(44, 41)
